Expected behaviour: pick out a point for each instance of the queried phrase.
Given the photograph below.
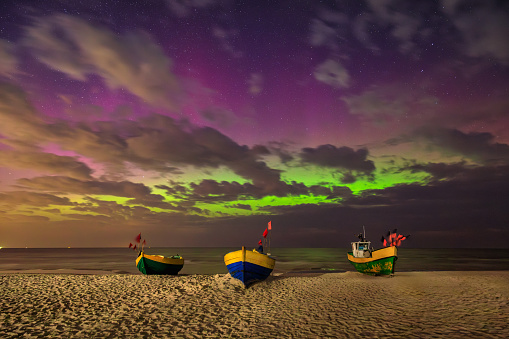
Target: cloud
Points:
(15, 199)
(333, 74)
(469, 201)
(8, 61)
(328, 29)
(131, 61)
(483, 27)
(184, 8)
(255, 83)
(219, 116)
(20, 121)
(404, 25)
(227, 190)
(476, 28)
(199, 147)
(468, 189)
(155, 142)
(476, 146)
(75, 186)
(13, 218)
(395, 18)
(338, 157)
(46, 162)
(214, 191)
(226, 39)
(390, 104)
(242, 207)
(120, 212)
(438, 171)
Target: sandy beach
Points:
(332, 305)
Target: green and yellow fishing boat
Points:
(373, 262)
(158, 264)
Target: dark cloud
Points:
(74, 186)
(227, 190)
(46, 162)
(200, 147)
(156, 202)
(19, 198)
(438, 170)
(280, 149)
(212, 190)
(242, 207)
(470, 206)
(156, 143)
(338, 157)
(115, 211)
(176, 189)
(477, 146)
(333, 192)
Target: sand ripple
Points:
(334, 305)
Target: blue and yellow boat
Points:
(249, 266)
(157, 264)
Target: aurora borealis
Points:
(196, 122)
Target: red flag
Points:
(270, 225)
(144, 242)
(138, 238)
(260, 242)
(134, 248)
(392, 238)
(130, 245)
(265, 233)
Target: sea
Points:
(209, 260)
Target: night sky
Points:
(196, 122)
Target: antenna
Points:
(364, 231)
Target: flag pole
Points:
(270, 234)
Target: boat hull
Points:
(381, 262)
(249, 266)
(159, 265)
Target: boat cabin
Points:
(361, 249)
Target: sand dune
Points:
(333, 305)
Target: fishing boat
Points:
(373, 262)
(158, 264)
(249, 266)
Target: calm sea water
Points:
(210, 260)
